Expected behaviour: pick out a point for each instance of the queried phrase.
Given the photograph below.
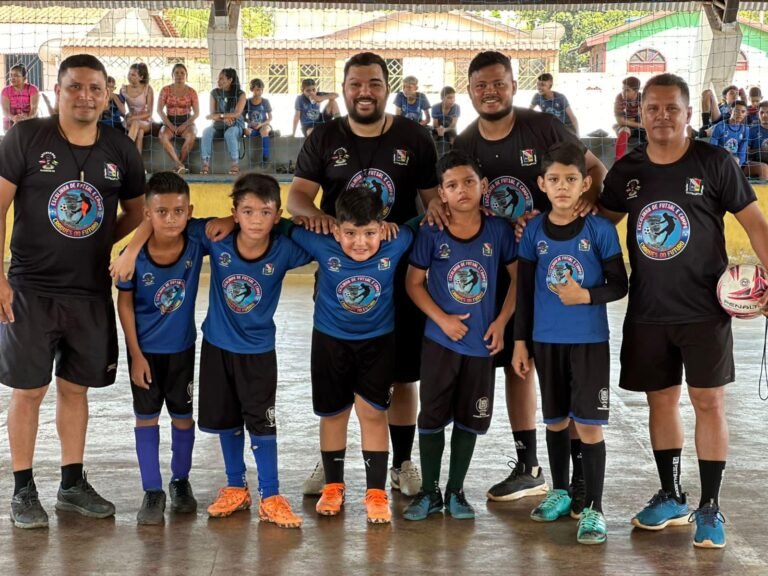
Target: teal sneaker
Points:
(662, 510)
(591, 528)
(457, 506)
(710, 532)
(556, 503)
(423, 505)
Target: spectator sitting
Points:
(755, 97)
(139, 98)
(308, 110)
(178, 108)
(227, 105)
(712, 112)
(445, 115)
(626, 110)
(115, 109)
(757, 164)
(411, 103)
(258, 117)
(19, 98)
(733, 135)
(555, 103)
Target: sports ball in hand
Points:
(740, 288)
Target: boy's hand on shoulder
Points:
(219, 228)
(141, 375)
(302, 221)
(122, 268)
(521, 362)
(571, 293)
(495, 337)
(522, 222)
(390, 230)
(320, 224)
(437, 213)
(453, 326)
(584, 207)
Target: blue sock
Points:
(232, 446)
(265, 452)
(182, 442)
(265, 147)
(148, 452)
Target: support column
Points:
(225, 40)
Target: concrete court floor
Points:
(501, 540)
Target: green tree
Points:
(193, 23)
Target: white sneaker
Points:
(313, 485)
(407, 479)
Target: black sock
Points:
(668, 464)
(462, 448)
(402, 443)
(431, 448)
(525, 445)
(20, 479)
(375, 469)
(70, 474)
(711, 472)
(559, 450)
(333, 463)
(705, 119)
(576, 469)
(594, 474)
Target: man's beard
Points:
(372, 118)
(493, 116)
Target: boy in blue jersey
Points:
(568, 268)
(463, 331)
(157, 311)
(555, 103)
(353, 342)
(412, 104)
(733, 134)
(258, 117)
(307, 107)
(757, 164)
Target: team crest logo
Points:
(148, 279)
(633, 188)
(312, 113)
(270, 414)
(584, 245)
(487, 249)
(732, 145)
(401, 157)
(340, 157)
(358, 294)
(662, 230)
(384, 263)
(694, 186)
(482, 406)
(242, 293)
(76, 209)
(557, 269)
(444, 252)
(603, 397)
(509, 197)
(467, 282)
(542, 248)
(48, 162)
(378, 182)
(111, 171)
(188, 263)
(528, 157)
(170, 296)
(268, 269)
(225, 259)
(334, 264)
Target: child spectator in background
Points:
(626, 110)
(445, 115)
(411, 103)
(307, 107)
(555, 103)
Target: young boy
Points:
(463, 330)
(258, 117)
(569, 267)
(713, 111)
(115, 111)
(555, 103)
(411, 103)
(733, 134)
(445, 116)
(757, 166)
(626, 110)
(307, 107)
(353, 342)
(157, 311)
(753, 115)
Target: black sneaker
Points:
(26, 510)
(519, 484)
(83, 499)
(152, 511)
(578, 491)
(182, 499)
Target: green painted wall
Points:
(677, 20)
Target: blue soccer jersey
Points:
(462, 278)
(556, 106)
(309, 110)
(257, 113)
(758, 141)
(244, 294)
(164, 295)
(412, 111)
(582, 256)
(731, 137)
(445, 119)
(354, 299)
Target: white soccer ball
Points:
(740, 288)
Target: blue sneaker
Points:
(556, 504)
(592, 528)
(423, 505)
(457, 506)
(710, 532)
(662, 510)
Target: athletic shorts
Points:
(574, 381)
(237, 390)
(172, 384)
(653, 355)
(79, 334)
(455, 388)
(409, 329)
(342, 369)
(504, 358)
(178, 120)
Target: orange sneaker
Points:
(377, 505)
(331, 499)
(277, 510)
(230, 499)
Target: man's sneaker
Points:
(710, 532)
(423, 505)
(83, 499)
(182, 499)
(556, 504)
(313, 485)
(152, 511)
(578, 491)
(661, 511)
(406, 478)
(26, 510)
(377, 506)
(592, 528)
(518, 484)
(229, 500)
(277, 510)
(457, 506)
(331, 499)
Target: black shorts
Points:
(504, 358)
(172, 384)
(237, 389)
(574, 381)
(455, 388)
(409, 329)
(78, 333)
(178, 120)
(342, 369)
(653, 355)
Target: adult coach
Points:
(508, 143)
(671, 325)
(65, 176)
(396, 161)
